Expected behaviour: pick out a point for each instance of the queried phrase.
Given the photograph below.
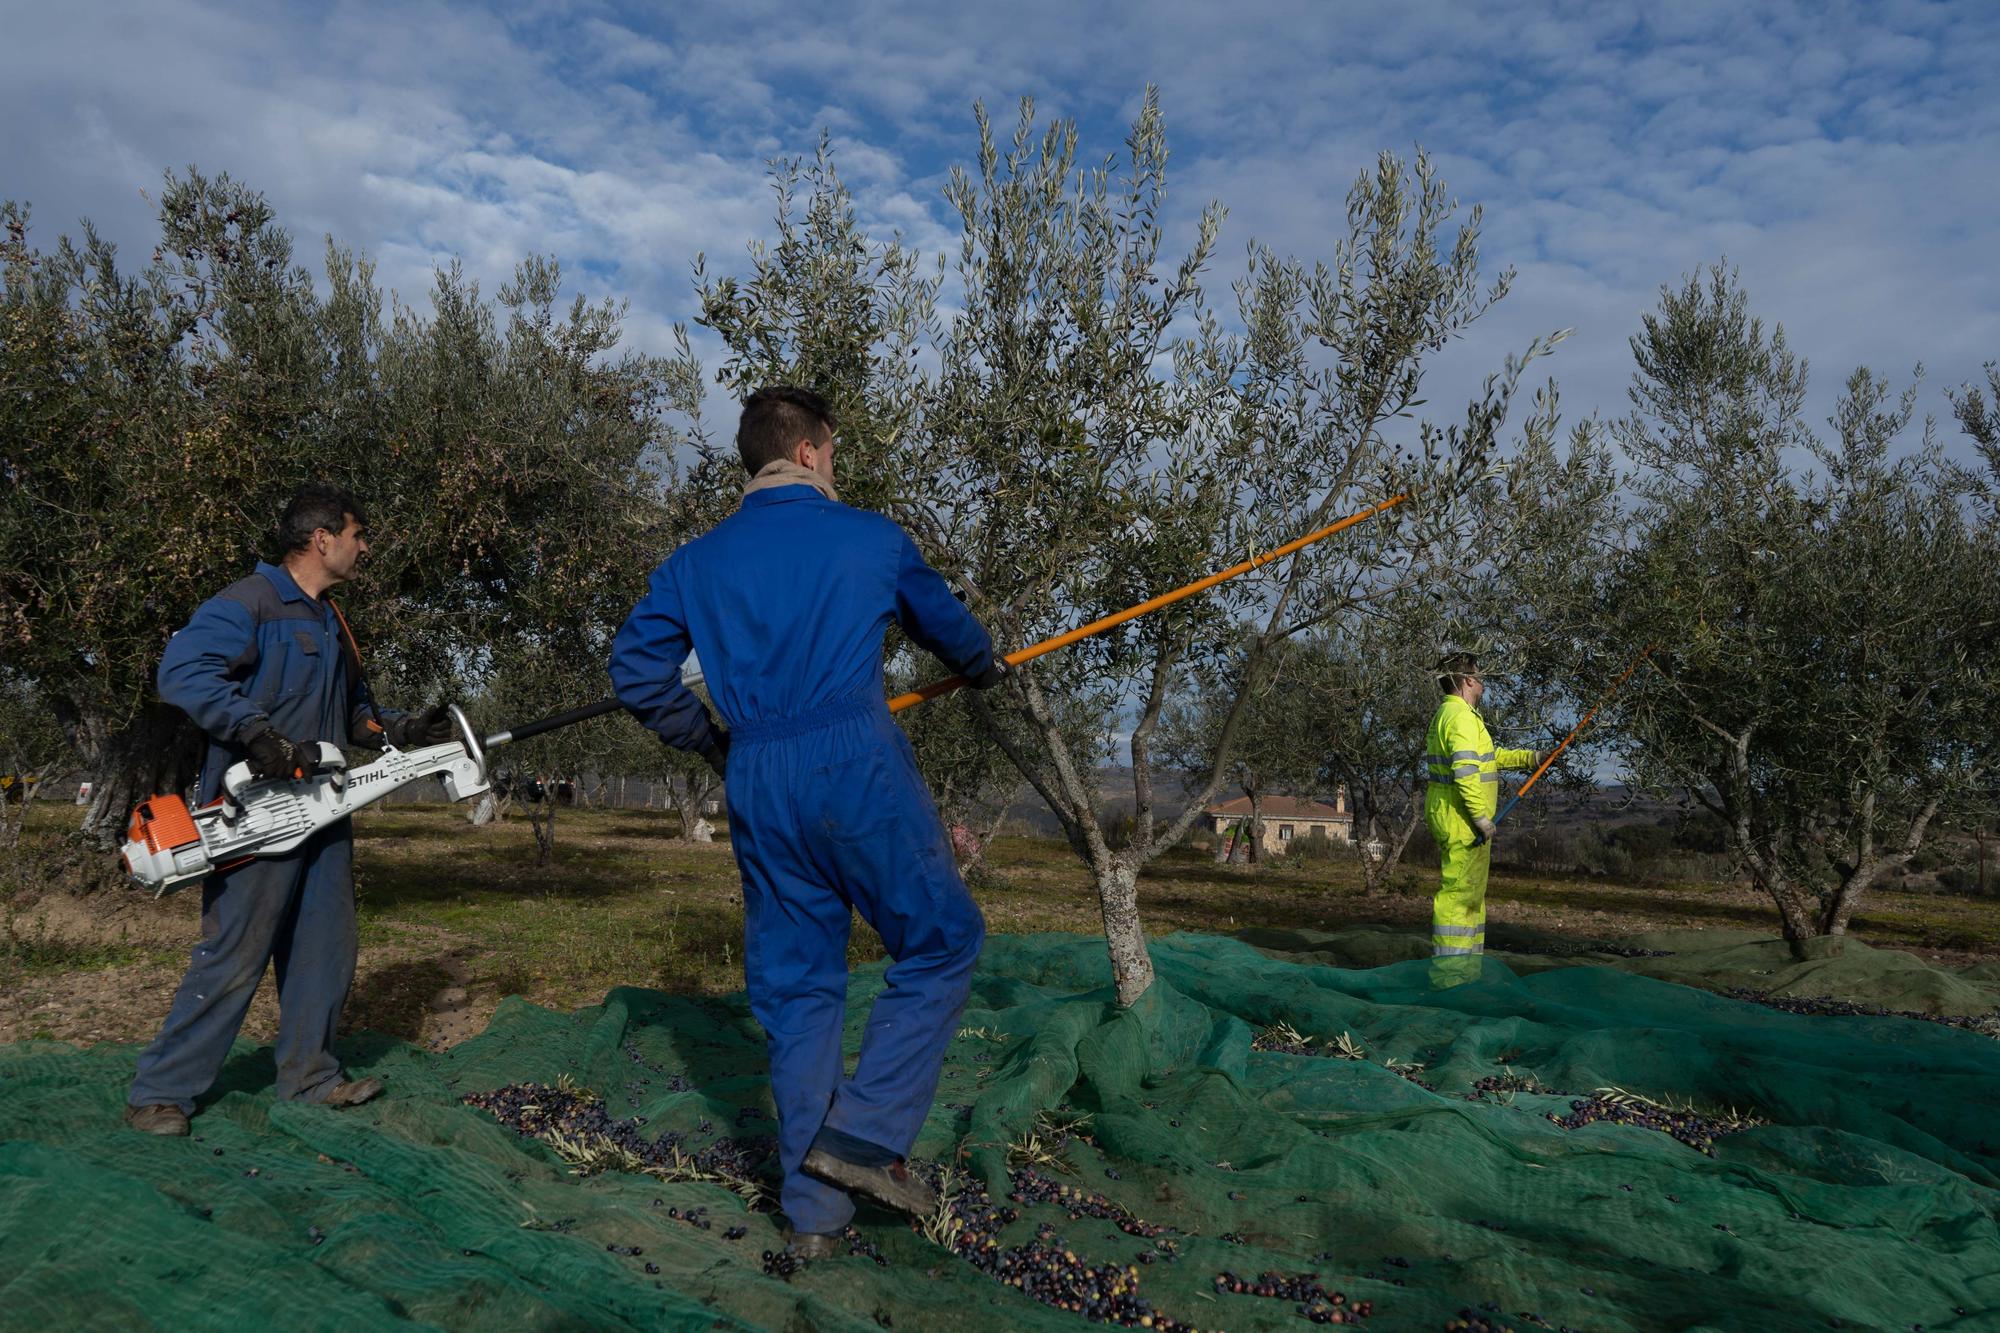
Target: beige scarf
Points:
(784, 472)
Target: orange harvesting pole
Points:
(1068, 637)
(1616, 685)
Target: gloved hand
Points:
(1484, 826)
(717, 753)
(992, 676)
(430, 727)
(273, 756)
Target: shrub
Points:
(1962, 879)
(1316, 848)
(1931, 857)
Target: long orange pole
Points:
(1616, 685)
(1068, 637)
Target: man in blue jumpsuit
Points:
(267, 670)
(785, 603)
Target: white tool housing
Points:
(171, 845)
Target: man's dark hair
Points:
(777, 417)
(316, 505)
(1453, 668)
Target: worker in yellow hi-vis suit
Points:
(1463, 793)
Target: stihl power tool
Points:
(170, 845)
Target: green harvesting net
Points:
(1300, 1130)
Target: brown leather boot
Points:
(166, 1120)
(352, 1094)
(893, 1185)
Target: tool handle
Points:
(237, 777)
(1575, 731)
(567, 718)
(1095, 627)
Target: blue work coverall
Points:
(786, 603)
(262, 650)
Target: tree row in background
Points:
(511, 457)
(1823, 621)
(1068, 421)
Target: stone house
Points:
(1285, 818)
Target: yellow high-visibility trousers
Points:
(1464, 770)
(1458, 913)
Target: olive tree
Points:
(1979, 413)
(681, 781)
(127, 407)
(1102, 438)
(153, 425)
(33, 753)
(827, 307)
(1279, 746)
(1085, 429)
(1824, 633)
(1372, 696)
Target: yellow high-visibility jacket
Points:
(1464, 769)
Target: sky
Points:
(1846, 157)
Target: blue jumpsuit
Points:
(786, 603)
(262, 649)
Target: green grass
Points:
(28, 948)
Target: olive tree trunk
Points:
(689, 796)
(157, 751)
(1376, 870)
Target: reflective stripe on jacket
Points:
(1459, 759)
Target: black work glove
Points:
(992, 676)
(716, 753)
(273, 756)
(430, 727)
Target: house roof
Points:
(1283, 807)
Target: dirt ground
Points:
(417, 993)
(452, 919)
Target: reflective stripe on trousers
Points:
(1458, 914)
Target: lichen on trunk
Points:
(1124, 936)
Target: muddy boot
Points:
(168, 1121)
(814, 1244)
(893, 1185)
(352, 1094)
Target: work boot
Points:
(893, 1185)
(166, 1120)
(814, 1244)
(346, 1093)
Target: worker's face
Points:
(341, 552)
(1475, 690)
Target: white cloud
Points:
(1846, 156)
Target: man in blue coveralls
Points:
(785, 603)
(267, 669)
